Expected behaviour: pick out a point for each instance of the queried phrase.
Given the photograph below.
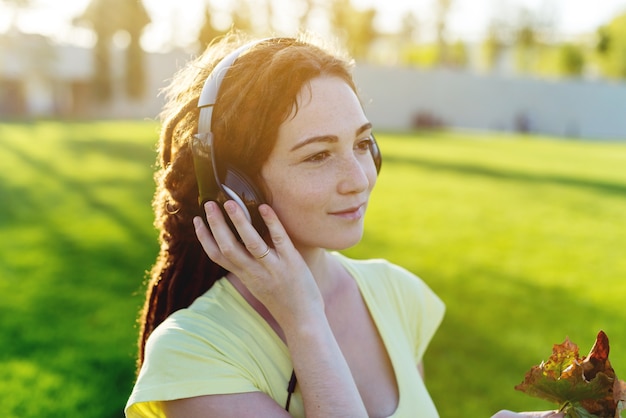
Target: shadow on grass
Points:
(617, 189)
(67, 331)
(84, 190)
(129, 151)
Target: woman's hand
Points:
(280, 279)
(537, 414)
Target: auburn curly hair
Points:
(258, 93)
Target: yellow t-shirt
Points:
(221, 345)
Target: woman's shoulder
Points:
(210, 316)
(384, 279)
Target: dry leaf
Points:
(583, 387)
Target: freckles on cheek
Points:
(292, 207)
(293, 193)
(280, 202)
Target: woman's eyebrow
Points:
(328, 138)
(363, 128)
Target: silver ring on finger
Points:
(264, 254)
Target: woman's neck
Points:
(326, 270)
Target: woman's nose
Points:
(353, 177)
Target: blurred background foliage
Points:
(528, 38)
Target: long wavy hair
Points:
(258, 94)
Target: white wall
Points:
(393, 96)
(576, 108)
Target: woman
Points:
(236, 310)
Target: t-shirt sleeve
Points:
(181, 364)
(431, 312)
(421, 308)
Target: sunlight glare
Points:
(177, 23)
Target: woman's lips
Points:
(352, 213)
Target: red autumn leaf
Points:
(583, 387)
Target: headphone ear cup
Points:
(203, 167)
(238, 187)
(376, 155)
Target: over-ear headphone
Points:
(232, 184)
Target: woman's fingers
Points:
(217, 240)
(208, 243)
(253, 242)
(221, 244)
(278, 235)
(222, 234)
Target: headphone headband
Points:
(211, 87)
(231, 184)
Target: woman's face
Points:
(321, 172)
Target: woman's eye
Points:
(364, 145)
(318, 157)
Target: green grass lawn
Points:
(522, 237)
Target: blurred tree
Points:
(208, 32)
(525, 41)
(443, 11)
(611, 48)
(354, 27)
(136, 20)
(457, 55)
(603, 40)
(257, 17)
(535, 42)
(421, 55)
(560, 60)
(410, 27)
(242, 15)
(493, 45)
(16, 6)
(106, 18)
(408, 38)
(306, 9)
(570, 60)
(340, 14)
